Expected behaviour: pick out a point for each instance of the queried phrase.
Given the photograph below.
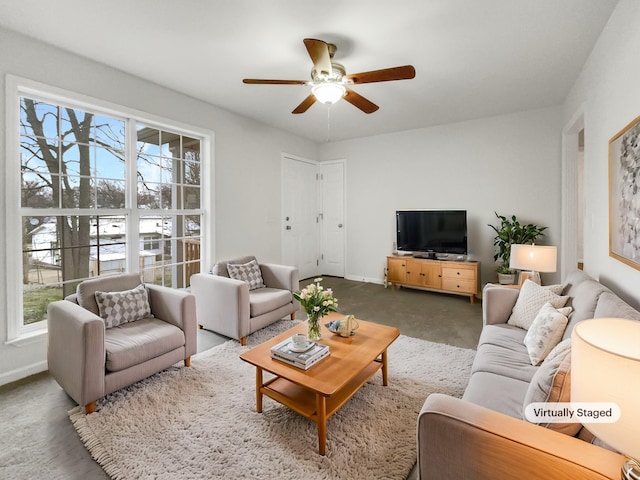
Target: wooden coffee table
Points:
(319, 392)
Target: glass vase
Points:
(314, 326)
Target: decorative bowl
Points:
(333, 327)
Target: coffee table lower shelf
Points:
(313, 405)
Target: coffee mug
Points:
(299, 340)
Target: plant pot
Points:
(506, 278)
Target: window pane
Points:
(191, 149)
(109, 163)
(191, 198)
(38, 118)
(170, 145)
(148, 195)
(149, 168)
(192, 173)
(78, 192)
(32, 158)
(110, 194)
(109, 132)
(36, 192)
(75, 125)
(148, 141)
(35, 298)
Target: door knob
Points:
(339, 225)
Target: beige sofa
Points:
(229, 307)
(90, 361)
(483, 435)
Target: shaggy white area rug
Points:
(200, 422)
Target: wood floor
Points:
(37, 439)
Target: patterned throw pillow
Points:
(117, 308)
(546, 332)
(247, 272)
(552, 383)
(531, 298)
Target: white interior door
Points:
(333, 225)
(300, 238)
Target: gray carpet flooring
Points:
(33, 412)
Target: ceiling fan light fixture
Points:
(328, 93)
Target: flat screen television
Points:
(432, 231)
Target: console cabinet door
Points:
(423, 273)
(396, 270)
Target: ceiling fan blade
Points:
(359, 101)
(319, 53)
(255, 81)
(405, 72)
(306, 103)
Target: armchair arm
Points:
(222, 304)
(497, 303)
(280, 276)
(457, 439)
(76, 352)
(178, 308)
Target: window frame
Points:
(17, 87)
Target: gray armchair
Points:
(227, 306)
(90, 361)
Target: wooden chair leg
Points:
(89, 408)
(243, 341)
(187, 362)
(293, 316)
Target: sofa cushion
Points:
(532, 297)
(612, 306)
(264, 300)
(545, 332)
(247, 272)
(220, 268)
(134, 343)
(85, 292)
(501, 351)
(497, 392)
(552, 384)
(126, 306)
(584, 298)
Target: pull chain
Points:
(328, 123)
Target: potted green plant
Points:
(508, 232)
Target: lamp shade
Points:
(537, 258)
(328, 93)
(605, 367)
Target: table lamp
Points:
(535, 258)
(605, 367)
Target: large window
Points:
(102, 192)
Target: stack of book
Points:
(304, 360)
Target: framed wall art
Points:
(624, 195)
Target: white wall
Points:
(608, 87)
(247, 162)
(509, 164)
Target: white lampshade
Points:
(328, 93)
(605, 367)
(537, 258)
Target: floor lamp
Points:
(535, 259)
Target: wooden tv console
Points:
(445, 276)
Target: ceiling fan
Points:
(330, 82)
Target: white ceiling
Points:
(473, 58)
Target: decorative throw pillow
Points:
(117, 308)
(531, 298)
(552, 383)
(546, 332)
(247, 272)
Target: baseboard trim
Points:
(379, 281)
(20, 373)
